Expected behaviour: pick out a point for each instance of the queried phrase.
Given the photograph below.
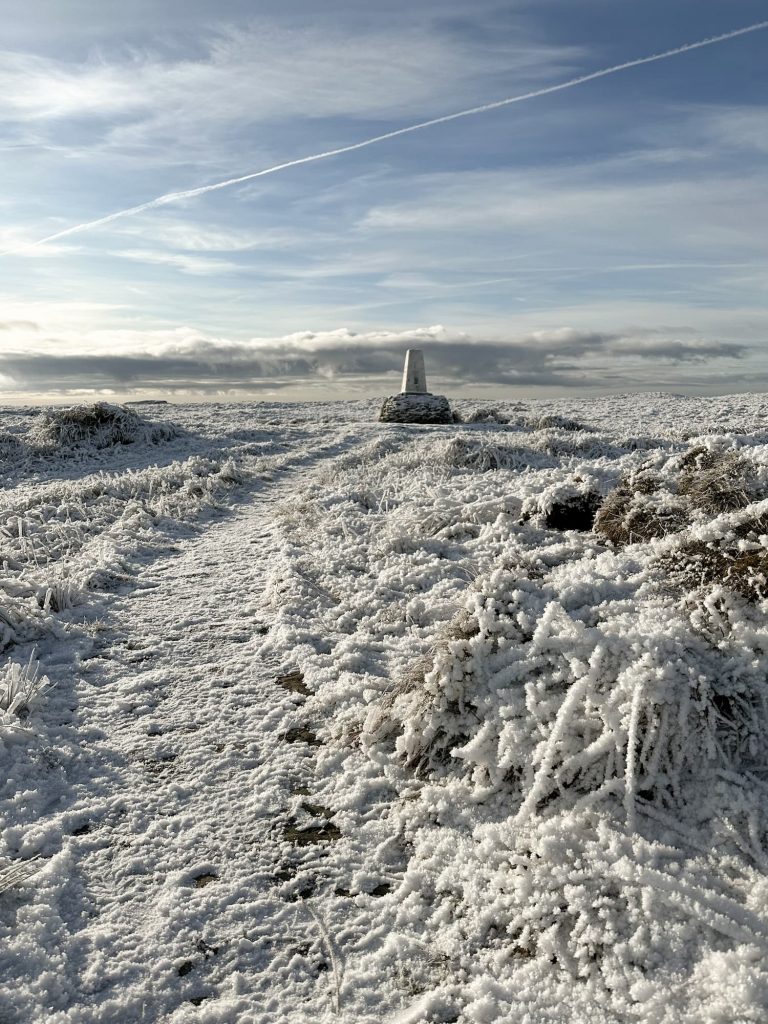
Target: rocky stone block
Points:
(416, 408)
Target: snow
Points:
(345, 720)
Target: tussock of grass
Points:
(485, 414)
(11, 448)
(631, 516)
(645, 505)
(483, 454)
(410, 697)
(553, 422)
(100, 425)
(717, 482)
(21, 686)
(702, 488)
(695, 564)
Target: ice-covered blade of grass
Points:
(16, 872)
(21, 686)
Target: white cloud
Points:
(591, 201)
(199, 236)
(185, 358)
(184, 261)
(266, 73)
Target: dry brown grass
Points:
(697, 564)
(631, 515)
(716, 482)
(643, 507)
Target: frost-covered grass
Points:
(521, 774)
(21, 687)
(13, 874)
(100, 425)
(62, 539)
(575, 720)
(66, 534)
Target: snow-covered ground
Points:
(353, 721)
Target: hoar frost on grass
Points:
(21, 687)
(575, 719)
(63, 539)
(100, 425)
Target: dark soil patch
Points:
(293, 681)
(317, 810)
(205, 879)
(307, 835)
(302, 735)
(577, 513)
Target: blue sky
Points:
(609, 237)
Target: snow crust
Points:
(337, 719)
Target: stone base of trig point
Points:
(411, 408)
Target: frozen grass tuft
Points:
(485, 453)
(100, 425)
(631, 514)
(11, 448)
(20, 688)
(655, 501)
(717, 481)
(554, 422)
(16, 872)
(484, 414)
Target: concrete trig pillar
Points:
(414, 374)
(415, 404)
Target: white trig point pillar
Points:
(414, 374)
(415, 404)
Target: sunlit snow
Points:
(305, 716)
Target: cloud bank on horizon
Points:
(607, 236)
(186, 361)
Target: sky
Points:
(609, 237)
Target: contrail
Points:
(173, 197)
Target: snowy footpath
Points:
(370, 723)
(155, 808)
(165, 824)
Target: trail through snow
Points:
(187, 847)
(163, 843)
